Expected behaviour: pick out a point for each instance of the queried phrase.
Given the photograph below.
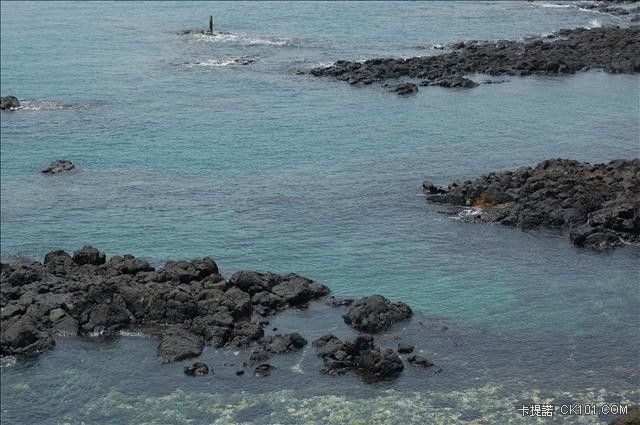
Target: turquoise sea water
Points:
(181, 155)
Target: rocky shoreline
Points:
(600, 202)
(192, 304)
(612, 49)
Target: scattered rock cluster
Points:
(602, 201)
(195, 306)
(613, 49)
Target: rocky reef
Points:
(612, 49)
(191, 304)
(600, 202)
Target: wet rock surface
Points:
(277, 344)
(59, 166)
(631, 418)
(9, 102)
(197, 369)
(376, 313)
(178, 344)
(612, 49)
(361, 355)
(188, 304)
(403, 89)
(601, 201)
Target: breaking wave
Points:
(243, 39)
(218, 63)
(594, 23)
(47, 105)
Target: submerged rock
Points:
(9, 102)
(419, 361)
(197, 369)
(403, 89)
(405, 348)
(178, 344)
(278, 344)
(263, 370)
(455, 81)
(59, 166)
(597, 239)
(376, 313)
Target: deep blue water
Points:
(182, 155)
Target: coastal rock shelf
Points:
(613, 49)
(602, 201)
(189, 301)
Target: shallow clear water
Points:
(182, 155)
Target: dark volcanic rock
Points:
(9, 102)
(405, 348)
(361, 355)
(297, 290)
(129, 264)
(419, 361)
(403, 89)
(58, 262)
(105, 318)
(88, 255)
(187, 271)
(263, 370)
(22, 336)
(338, 302)
(455, 81)
(244, 333)
(380, 363)
(197, 369)
(86, 294)
(631, 418)
(613, 49)
(59, 166)
(376, 313)
(557, 193)
(278, 344)
(596, 239)
(253, 282)
(178, 344)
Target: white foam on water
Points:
(134, 334)
(37, 105)
(594, 23)
(49, 105)
(552, 5)
(469, 213)
(244, 39)
(7, 361)
(219, 63)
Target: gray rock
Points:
(59, 166)
(178, 344)
(376, 313)
(197, 369)
(9, 102)
(89, 255)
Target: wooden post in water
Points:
(210, 24)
